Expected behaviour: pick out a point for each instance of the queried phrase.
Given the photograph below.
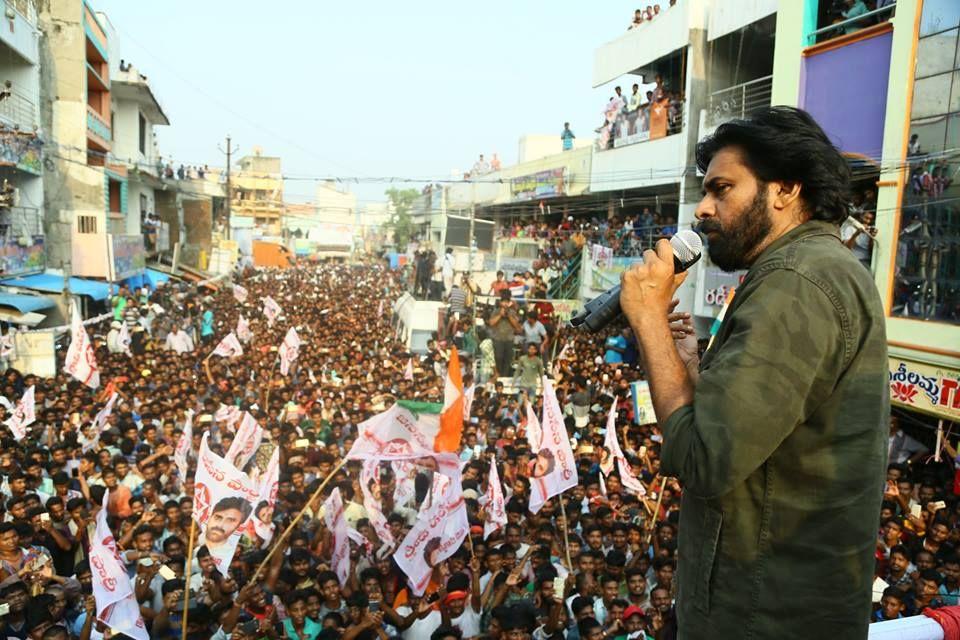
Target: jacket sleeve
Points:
(783, 356)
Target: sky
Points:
(366, 89)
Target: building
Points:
(257, 192)
(905, 145)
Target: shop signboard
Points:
(930, 389)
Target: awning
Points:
(53, 283)
(155, 278)
(25, 303)
(29, 319)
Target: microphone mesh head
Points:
(687, 245)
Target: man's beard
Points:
(733, 248)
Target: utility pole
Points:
(229, 151)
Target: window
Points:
(927, 277)
(87, 224)
(144, 205)
(143, 134)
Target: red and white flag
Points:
(289, 350)
(183, 446)
(243, 329)
(24, 414)
(81, 362)
(534, 432)
(554, 469)
(117, 605)
(239, 293)
(440, 530)
(336, 523)
(263, 511)
(611, 445)
(468, 401)
(223, 499)
(245, 442)
(229, 347)
(228, 413)
(101, 418)
(408, 371)
(271, 309)
(495, 513)
(373, 499)
(123, 338)
(451, 418)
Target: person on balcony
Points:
(637, 19)
(855, 8)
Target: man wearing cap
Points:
(634, 622)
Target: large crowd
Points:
(595, 563)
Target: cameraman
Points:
(504, 324)
(858, 235)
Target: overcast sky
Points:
(412, 89)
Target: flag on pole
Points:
(23, 415)
(271, 309)
(468, 401)
(101, 418)
(229, 347)
(245, 443)
(336, 522)
(183, 446)
(263, 511)
(554, 470)
(117, 605)
(81, 362)
(8, 346)
(408, 371)
(451, 418)
(243, 329)
(440, 529)
(495, 514)
(611, 446)
(228, 413)
(123, 338)
(239, 293)
(289, 350)
(533, 429)
(372, 499)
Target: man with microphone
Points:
(779, 434)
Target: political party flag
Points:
(468, 401)
(183, 446)
(611, 446)
(228, 413)
(271, 309)
(223, 499)
(81, 362)
(533, 429)
(336, 523)
(123, 338)
(440, 529)
(101, 418)
(23, 415)
(243, 329)
(229, 347)
(408, 372)
(117, 605)
(628, 479)
(373, 499)
(245, 443)
(451, 418)
(263, 511)
(8, 346)
(239, 293)
(554, 470)
(642, 403)
(495, 514)
(289, 350)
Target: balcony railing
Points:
(19, 110)
(25, 8)
(852, 25)
(739, 101)
(97, 125)
(631, 127)
(18, 222)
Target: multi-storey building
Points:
(257, 192)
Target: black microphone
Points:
(599, 312)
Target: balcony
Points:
(98, 128)
(834, 24)
(20, 32)
(19, 111)
(738, 101)
(20, 222)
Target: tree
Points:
(401, 202)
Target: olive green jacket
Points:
(783, 451)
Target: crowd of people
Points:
(596, 562)
(642, 16)
(655, 113)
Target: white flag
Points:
(534, 432)
(123, 338)
(23, 415)
(554, 470)
(263, 512)
(408, 372)
(8, 346)
(611, 446)
(228, 413)
(336, 523)
(117, 605)
(101, 418)
(271, 309)
(289, 350)
(245, 443)
(81, 362)
(495, 514)
(440, 530)
(372, 499)
(243, 329)
(468, 401)
(239, 293)
(223, 499)
(229, 347)
(183, 446)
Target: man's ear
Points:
(784, 196)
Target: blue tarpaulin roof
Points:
(53, 283)
(25, 303)
(155, 277)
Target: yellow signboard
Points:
(926, 388)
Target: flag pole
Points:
(656, 511)
(188, 565)
(566, 533)
(279, 541)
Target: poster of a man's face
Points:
(543, 464)
(227, 516)
(430, 551)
